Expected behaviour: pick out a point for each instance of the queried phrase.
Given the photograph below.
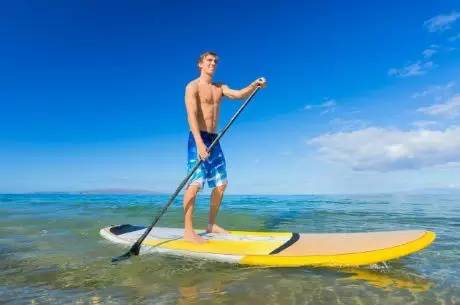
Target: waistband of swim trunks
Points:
(207, 134)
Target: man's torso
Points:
(208, 97)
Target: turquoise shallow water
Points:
(51, 252)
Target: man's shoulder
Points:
(192, 85)
(218, 84)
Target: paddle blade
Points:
(120, 258)
(133, 251)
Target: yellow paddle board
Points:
(283, 249)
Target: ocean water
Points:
(51, 252)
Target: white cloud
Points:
(450, 108)
(428, 53)
(380, 149)
(348, 125)
(441, 22)
(450, 165)
(417, 68)
(434, 89)
(327, 106)
(424, 124)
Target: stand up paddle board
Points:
(284, 249)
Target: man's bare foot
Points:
(216, 229)
(194, 238)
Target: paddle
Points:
(135, 248)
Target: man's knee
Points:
(221, 188)
(193, 189)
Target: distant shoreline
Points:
(119, 191)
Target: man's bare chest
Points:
(210, 95)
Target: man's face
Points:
(208, 64)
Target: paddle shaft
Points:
(136, 246)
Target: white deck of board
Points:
(161, 233)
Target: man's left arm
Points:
(245, 92)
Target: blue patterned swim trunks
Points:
(213, 169)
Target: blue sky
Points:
(362, 97)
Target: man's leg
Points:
(189, 204)
(216, 199)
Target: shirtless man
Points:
(202, 101)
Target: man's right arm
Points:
(245, 92)
(191, 104)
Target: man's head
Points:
(207, 62)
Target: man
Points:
(202, 101)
